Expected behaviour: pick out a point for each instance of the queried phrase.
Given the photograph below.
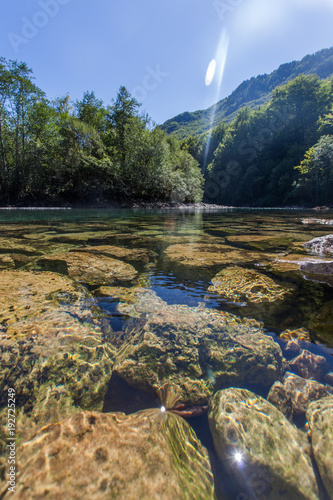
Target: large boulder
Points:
(320, 418)
(197, 349)
(260, 449)
(149, 454)
(53, 351)
(88, 267)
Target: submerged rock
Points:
(18, 246)
(297, 334)
(239, 284)
(320, 417)
(295, 394)
(134, 254)
(260, 448)
(322, 321)
(197, 349)
(308, 365)
(49, 337)
(200, 255)
(321, 271)
(148, 454)
(89, 268)
(261, 242)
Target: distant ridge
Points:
(252, 93)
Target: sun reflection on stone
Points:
(238, 457)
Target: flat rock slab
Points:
(101, 456)
(238, 284)
(198, 255)
(197, 349)
(261, 242)
(88, 268)
(260, 448)
(320, 418)
(135, 254)
(19, 246)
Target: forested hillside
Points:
(278, 155)
(65, 152)
(253, 93)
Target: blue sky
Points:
(159, 49)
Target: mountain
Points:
(252, 93)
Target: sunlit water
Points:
(176, 281)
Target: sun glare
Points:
(238, 457)
(210, 73)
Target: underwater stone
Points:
(308, 365)
(201, 255)
(88, 268)
(49, 336)
(197, 349)
(135, 254)
(296, 395)
(238, 284)
(260, 449)
(320, 418)
(148, 454)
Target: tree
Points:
(317, 169)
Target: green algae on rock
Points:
(49, 336)
(134, 254)
(260, 448)
(197, 349)
(238, 284)
(320, 417)
(88, 268)
(201, 255)
(148, 454)
(264, 242)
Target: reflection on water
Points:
(125, 267)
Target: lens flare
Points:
(210, 73)
(220, 60)
(238, 457)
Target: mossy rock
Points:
(51, 335)
(238, 284)
(88, 268)
(261, 242)
(201, 255)
(199, 350)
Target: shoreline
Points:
(159, 206)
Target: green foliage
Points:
(254, 162)
(316, 169)
(84, 152)
(253, 93)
